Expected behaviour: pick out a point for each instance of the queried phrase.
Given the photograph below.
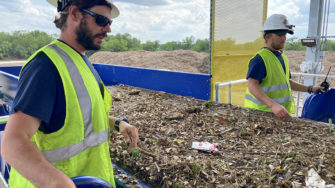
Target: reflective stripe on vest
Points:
(274, 88)
(277, 100)
(270, 89)
(90, 138)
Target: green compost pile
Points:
(255, 149)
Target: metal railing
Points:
(231, 83)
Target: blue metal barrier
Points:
(14, 70)
(180, 83)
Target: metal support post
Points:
(314, 31)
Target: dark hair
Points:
(60, 20)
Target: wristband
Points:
(117, 123)
(310, 89)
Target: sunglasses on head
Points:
(99, 19)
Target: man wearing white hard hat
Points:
(269, 78)
(59, 125)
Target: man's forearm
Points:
(259, 94)
(129, 132)
(277, 109)
(298, 87)
(31, 164)
(24, 156)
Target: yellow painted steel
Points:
(236, 37)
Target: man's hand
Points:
(318, 88)
(303, 88)
(276, 108)
(130, 133)
(280, 111)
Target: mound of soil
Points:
(190, 61)
(178, 60)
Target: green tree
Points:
(5, 45)
(188, 43)
(201, 46)
(22, 44)
(294, 43)
(115, 45)
(329, 45)
(121, 42)
(151, 46)
(169, 46)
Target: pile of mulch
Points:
(255, 149)
(177, 60)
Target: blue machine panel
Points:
(320, 107)
(15, 70)
(90, 182)
(8, 87)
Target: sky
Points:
(162, 20)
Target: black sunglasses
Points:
(281, 33)
(99, 19)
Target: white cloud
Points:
(289, 8)
(173, 21)
(28, 7)
(297, 12)
(163, 20)
(24, 15)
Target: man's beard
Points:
(85, 36)
(277, 46)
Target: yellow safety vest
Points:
(275, 85)
(81, 146)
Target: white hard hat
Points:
(62, 4)
(278, 22)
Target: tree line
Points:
(22, 44)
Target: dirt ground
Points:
(194, 62)
(255, 149)
(297, 57)
(189, 61)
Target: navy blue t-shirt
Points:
(257, 68)
(41, 93)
